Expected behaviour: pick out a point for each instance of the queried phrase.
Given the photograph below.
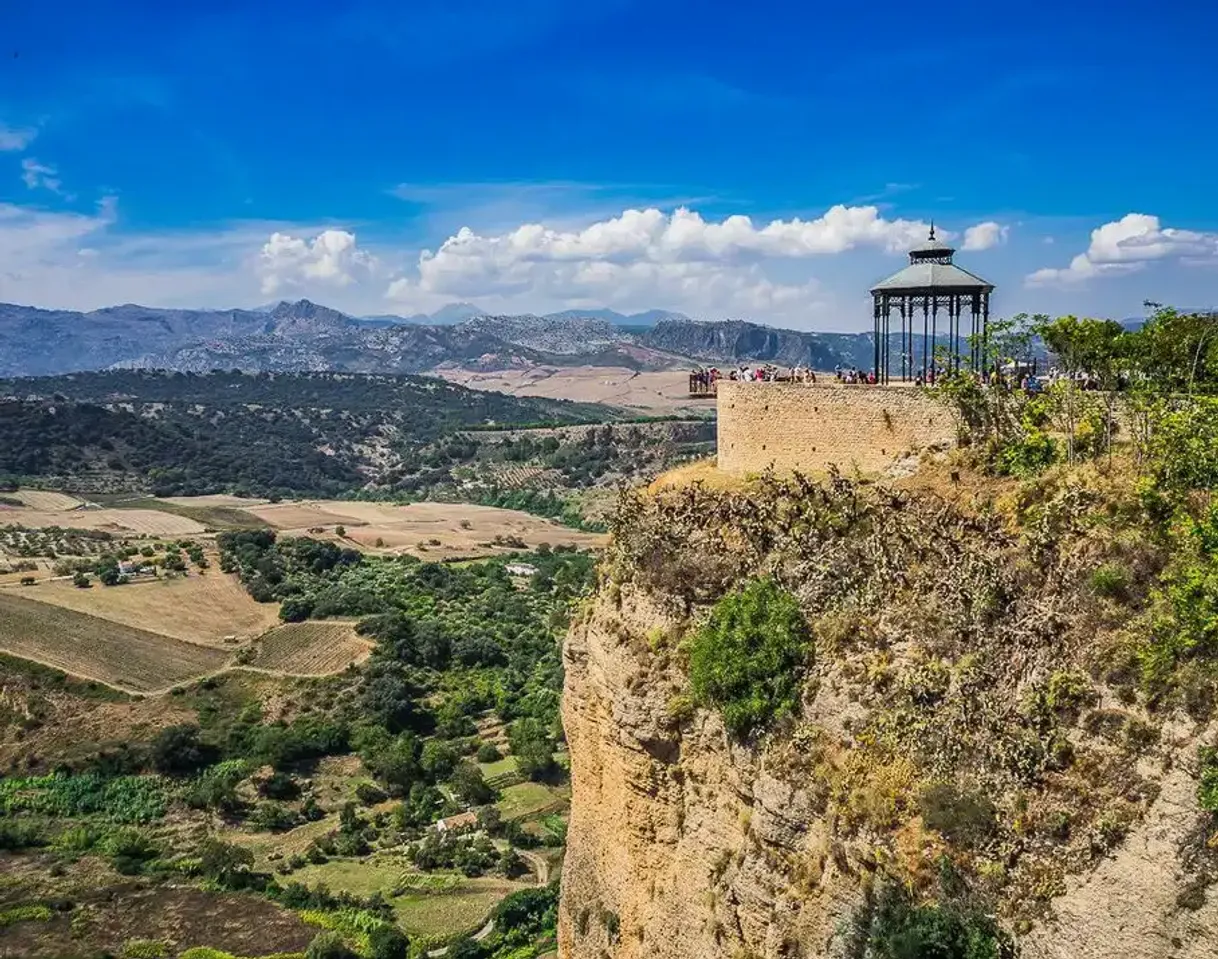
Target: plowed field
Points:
(121, 656)
(311, 649)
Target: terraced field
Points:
(311, 648)
(130, 659)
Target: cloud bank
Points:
(645, 257)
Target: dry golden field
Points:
(311, 648)
(44, 500)
(131, 659)
(216, 499)
(120, 522)
(206, 609)
(462, 529)
(301, 516)
(655, 392)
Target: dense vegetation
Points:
(436, 407)
(750, 657)
(321, 435)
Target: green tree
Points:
(329, 945)
(1100, 348)
(295, 609)
(224, 862)
(750, 657)
(533, 748)
(438, 759)
(1178, 352)
(470, 786)
(177, 750)
(387, 942)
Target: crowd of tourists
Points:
(1025, 377)
(703, 380)
(851, 374)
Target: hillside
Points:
(306, 336)
(320, 434)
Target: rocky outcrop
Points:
(685, 843)
(680, 845)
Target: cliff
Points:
(973, 748)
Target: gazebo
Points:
(931, 282)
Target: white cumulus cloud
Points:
(42, 175)
(984, 236)
(330, 258)
(15, 139)
(642, 257)
(1127, 245)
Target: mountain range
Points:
(308, 336)
(454, 313)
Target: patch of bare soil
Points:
(183, 916)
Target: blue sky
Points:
(394, 157)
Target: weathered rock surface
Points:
(684, 845)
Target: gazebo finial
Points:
(932, 229)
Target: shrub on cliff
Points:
(750, 657)
(893, 926)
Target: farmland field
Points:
(301, 516)
(454, 912)
(198, 608)
(130, 659)
(528, 798)
(654, 392)
(206, 512)
(216, 499)
(44, 500)
(424, 904)
(311, 649)
(120, 522)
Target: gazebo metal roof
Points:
(931, 269)
(928, 277)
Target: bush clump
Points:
(898, 928)
(750, 657)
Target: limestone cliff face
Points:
(679, 844)
(686, 844)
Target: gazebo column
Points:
(888, 330)
(985, 324)
(956, 342)
(925, 332)
(904, 306)
(875, 321)
(934, 333)
(951, 312)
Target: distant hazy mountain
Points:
(646, 318)
(308, 336)
(447, 315)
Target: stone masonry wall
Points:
(807, 427)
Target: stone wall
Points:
(801, 426)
